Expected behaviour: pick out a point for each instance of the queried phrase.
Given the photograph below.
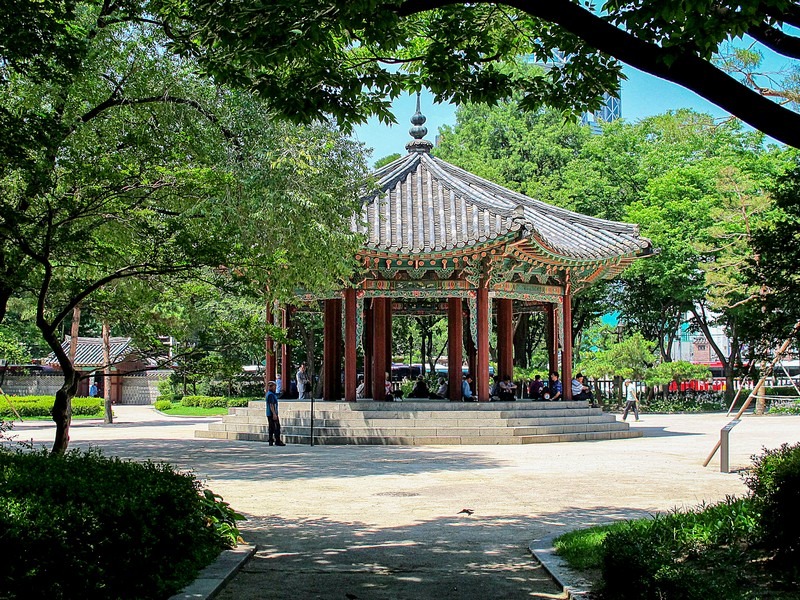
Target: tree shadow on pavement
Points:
(462, 556)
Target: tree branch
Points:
(683, 68)
(776, 40)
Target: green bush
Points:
(40, 406)
(784, 407)
(217, 401)
(686, 403)
(687, 555)
(84, 526)
(240, 402)
(163, 405)
(205, 401)
(775, 484)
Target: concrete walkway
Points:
(383, 522)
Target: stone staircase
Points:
(420, 423)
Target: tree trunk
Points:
(520, 338)
(108, 415)
(73, 333)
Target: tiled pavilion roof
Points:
(424, 205)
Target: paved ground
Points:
(382, 522)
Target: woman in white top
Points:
(631, 401)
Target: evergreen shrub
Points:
(205, 401)
(81, 525)
(775, 484)
(41, 406)
(163, 405)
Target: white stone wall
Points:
(141, 388)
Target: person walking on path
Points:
(631, 401)
(272, 416)
(303, 383)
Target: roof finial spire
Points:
(418, 131)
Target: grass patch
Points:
(583, 549)
(193, 411)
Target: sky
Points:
(643, 95)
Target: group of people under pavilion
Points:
(440, 240)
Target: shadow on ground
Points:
(458, 557)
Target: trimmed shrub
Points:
(240, 402)
(775, 484)
(84, 526)
(163, 405)
(205, 401)
(40, 406)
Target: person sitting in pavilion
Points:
(536, 388)
(581, 391)
(466, 389)
(391, 395)
(554, 387)
(420, 389)
(495, 389)
(508, 389)
(443, 389)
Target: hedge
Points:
(41, 406)
(215, 401)
(81, 525)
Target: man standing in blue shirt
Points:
(94, 391)
(272, 415)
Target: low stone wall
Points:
(33, 384)
(137, 388)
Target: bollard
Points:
(724, 447)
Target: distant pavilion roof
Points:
(89, 351)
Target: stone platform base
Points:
(422, 422)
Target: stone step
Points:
(427, 440)
(384, 431)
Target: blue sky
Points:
(643, 95)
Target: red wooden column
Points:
(329, 351)
(505, 337)
(271, 359)
(566, 349)
(338, 384)
(482, 362)
(455, 340)
(350, 345)
(369, 330)
(286, 352)
(387, 336)
(551, 332)
(379, 318)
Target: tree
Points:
(349, 59)
(772, 267)
(126, 165)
